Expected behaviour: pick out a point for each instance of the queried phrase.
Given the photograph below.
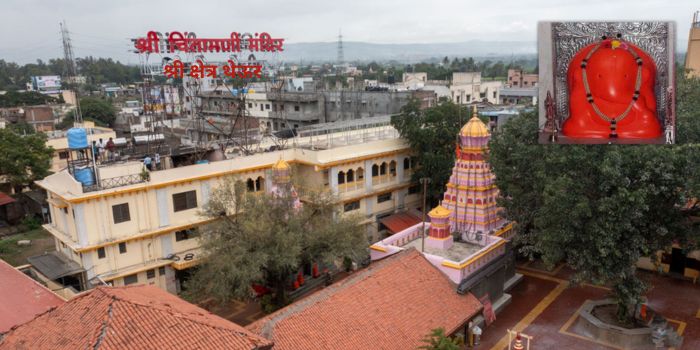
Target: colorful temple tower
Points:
(469, 204)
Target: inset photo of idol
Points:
(606, 82)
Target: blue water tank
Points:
(202, 161)
(77, 138)
(85, 176)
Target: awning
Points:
(54, 266)
(5, 199)
(400, 221)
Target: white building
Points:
(468, 88)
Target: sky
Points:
(102, 28)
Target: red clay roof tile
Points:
(392, 304)
(134, 317)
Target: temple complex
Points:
(466, 238)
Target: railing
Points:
(113, 182)
(293, 96)
(382, 179)
(351, 186)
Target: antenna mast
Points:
(341, 57)
(69, 68)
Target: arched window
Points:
(407, 163)
(259, 183)
(392, 168)
(351, 176)
(360, 174)
(250, 185)
(375, 170)
(382, 169)
(341, 177)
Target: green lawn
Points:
(17, 255)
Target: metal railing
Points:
(113, 182)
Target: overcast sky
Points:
(30, 28)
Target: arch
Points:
(250, 185)
(392, 168)
(341, 177)
(406, 163)
(350, 177)
(360, 173)
(375, 170)
(382, 169)
(259, 183)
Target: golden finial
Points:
(475, 114)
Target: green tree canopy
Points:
(23, 158)
(438, 340)
(98, 109)
(265, 240)
(599, 208)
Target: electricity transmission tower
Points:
(69, 69)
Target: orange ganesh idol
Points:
(611, 92)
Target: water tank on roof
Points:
(77, 138)
(85, 176)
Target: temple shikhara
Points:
(466, 238)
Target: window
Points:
(122, 247)
(63, 155)
(267, 106)
(382, 169)
(352, 206)
(131, 279)
(101, 253)
(351, 176)
(120, 212)
(65, 210)
(161, 271)
(414, 189)
(392, 168)
(375, 170)
(341, 178)
(250, 105)
(406, 163)
(296, 108)
(261, 107)
(151, 274)
(184, 200)
(185, 234)
(494, 94)
(384, 197)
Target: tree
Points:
(597, 208)
(432, 135)
(438, 340)
(23, 158)
(93, 108)
(263, 239)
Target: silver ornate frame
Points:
(652, 37)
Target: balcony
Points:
(292, 96)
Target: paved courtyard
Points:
(544, 306)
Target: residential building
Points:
(414, 81)
(356, 104)
(692, 56)
(135, 317)
(518, 96)
(392, 304)
(40, 117)
(127, 229)
(59, 142)
(467, 88)
(22, 298)
(518, 79)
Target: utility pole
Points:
(424, 181)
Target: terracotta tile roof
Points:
(400, 221)
(5, 199)
(22, 298)
(392, 304)
(134, 317)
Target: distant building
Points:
(45, 84)
(136, 317)
(392, 304)
(40, 117)
(22, 298)
(518, 79)
(518, 96)
(468, 88)
(692, 57)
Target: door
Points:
(677, 261)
